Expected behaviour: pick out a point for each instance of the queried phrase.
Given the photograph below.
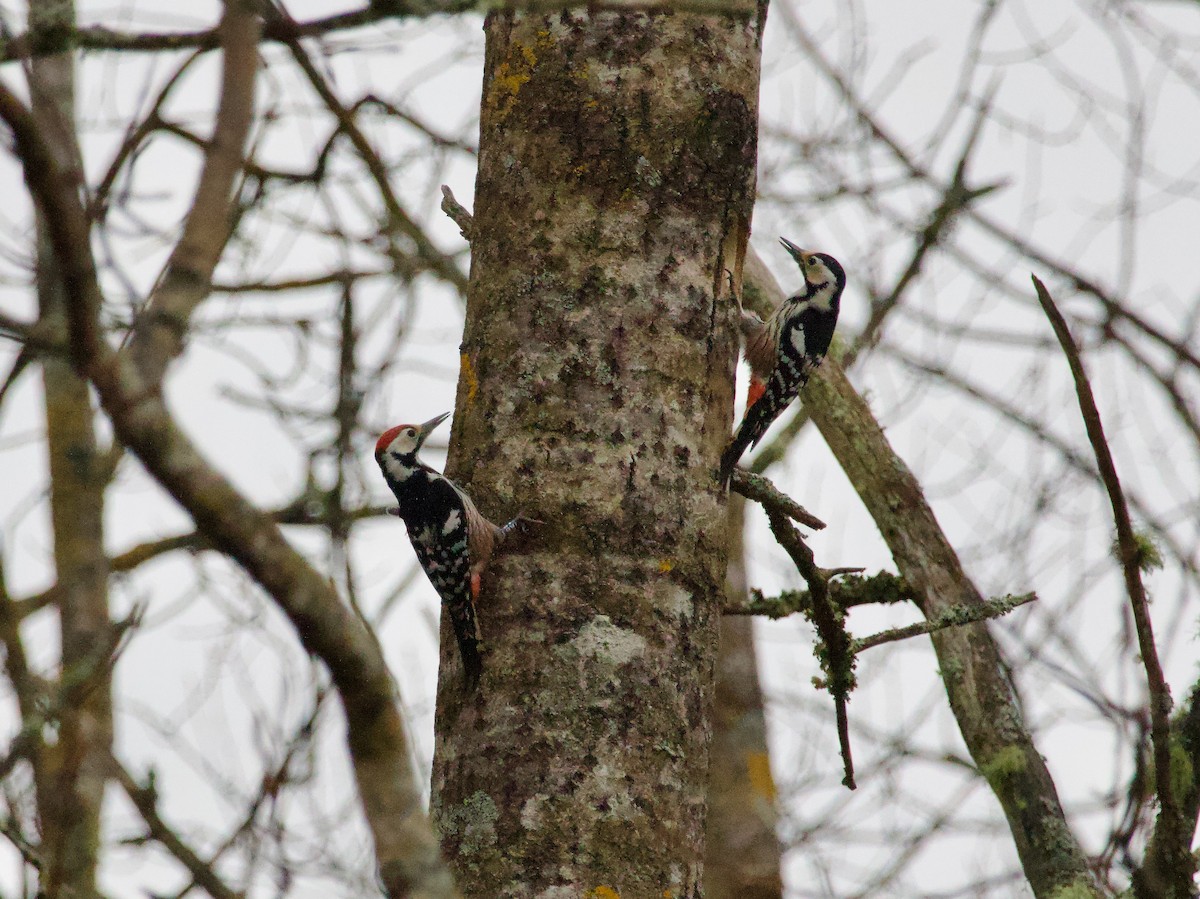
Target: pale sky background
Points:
(199, 676)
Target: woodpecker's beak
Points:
(426, 429)
(796, 253)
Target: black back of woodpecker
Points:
(783, 350)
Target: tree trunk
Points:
(615, 186)
(743, 856)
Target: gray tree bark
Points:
(614, 192)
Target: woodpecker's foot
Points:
(517, 531)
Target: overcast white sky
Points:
(225, 687)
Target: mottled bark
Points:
(615, 186)
(70, 770)
(743, 854)
(980, 692)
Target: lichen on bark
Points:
(615, 185)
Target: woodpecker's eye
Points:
(409, 432)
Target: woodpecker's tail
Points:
(466, 633)
(754, 424)
(472, 664)
(730, 457)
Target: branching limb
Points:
(187, 280)
(1175, 840)
(837, 661)
(398, 219)
(145, 800)
(303, 511)
(976, 680)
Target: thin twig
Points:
(398, 218)
(952, 617)
(1179, 863)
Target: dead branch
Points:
(1174, 839)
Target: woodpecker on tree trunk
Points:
(783, 350)
(452, 540)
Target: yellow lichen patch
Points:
(505, 86)
(469, 378)
(603, 892)
(514, 73)
(665, 565)
(758, 770)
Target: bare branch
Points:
(398, 218)
(160, 329)
(145, 800)
(1174, 840)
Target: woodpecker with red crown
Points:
(452, 540)
(783, 350)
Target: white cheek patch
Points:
(453, 522)
(823, 297)
(797, 339)
(398, 471)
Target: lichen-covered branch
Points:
(955, 616)
(833, 650)
(882, 588)
(977, 684)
